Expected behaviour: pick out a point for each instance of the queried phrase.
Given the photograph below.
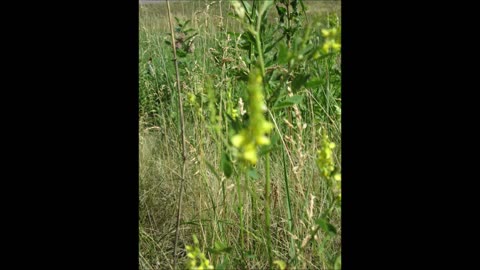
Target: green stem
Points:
(267, 209)
(259, 46)
(182, 134)
(289, 208)
(240, 209)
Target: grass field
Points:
(261, 110)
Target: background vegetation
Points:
(273, 73)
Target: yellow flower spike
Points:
(255, 134)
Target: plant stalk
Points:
(182, 135)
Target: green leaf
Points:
(252, 173)
(226, 165)
(265, 6)
(275, 139)
(271, 45)
(289, 101)
(190, 223)
(296, 99)
(248, 7)
(178, 21)
(212, 170)
(181, 53)
(283, 54)
(221, 266)
(313, 83)
(327, 227)
(186, 23)
(338, 263)
(220, 248)
(224, 265)
(299, 81)
(281, 11)
(246, 40)
(250, 255)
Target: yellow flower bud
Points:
(237, 140)
(239, 9)
(250, 155)
(262, 140)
